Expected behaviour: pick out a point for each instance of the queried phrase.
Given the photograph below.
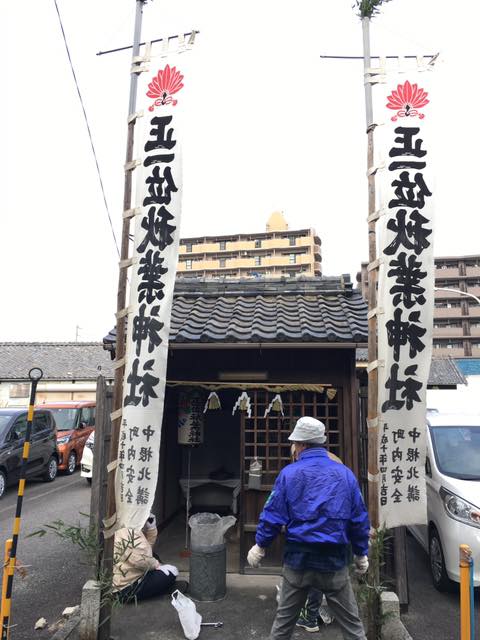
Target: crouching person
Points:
(320, 504)
(137, 573)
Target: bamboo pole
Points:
(372, 294)
(121, 303)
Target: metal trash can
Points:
(208, 559)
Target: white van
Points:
(452, 471)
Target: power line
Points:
(88, 127)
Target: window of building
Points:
(188, 264)
(454, 345)
(20, 390)
(189, 247)
(258, 244)
(292, 258)
(292, 241)
(223, 245)
(258, 261)
(223, 262)
(472, 263)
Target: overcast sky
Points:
(270, 125)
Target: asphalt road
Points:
(56, 568)
(431, 615)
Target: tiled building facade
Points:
(457, 313)
(277, 252)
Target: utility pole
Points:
(108, 550)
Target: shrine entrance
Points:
(264, 438)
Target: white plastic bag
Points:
(187, 612)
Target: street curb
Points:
(68, 628)
(393, 628)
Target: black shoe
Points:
(179, 585)
(309, 625)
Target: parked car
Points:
(75, 422)
(43, 456)
(86, 467)
(452, 471)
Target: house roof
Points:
(320, 310)
(444, 372)
(58, 360)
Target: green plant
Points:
(368, 8)
(370, 587)
(87, 539)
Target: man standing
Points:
(320, 504)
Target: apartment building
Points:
(456, 325)
(279, 251)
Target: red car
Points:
(75, 421)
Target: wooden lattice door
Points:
(265, 438)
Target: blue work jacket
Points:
(319, 502)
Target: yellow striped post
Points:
(35, 376)
(465, 613)
(6, 559)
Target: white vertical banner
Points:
(157, 228)
(405, 295)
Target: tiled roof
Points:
(58, 360)
(444, 372)
(290, 310)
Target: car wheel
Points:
(51, 470)
(71, 463)
(3, 483)
(440, 578)
(89, 480)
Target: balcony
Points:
(448, 332)
(450, 272)
(475, 331)
(454, 352)
(447, 294)
(474, 291)
(474, 311)
(473, 272)
(444, 312)
(476, 352)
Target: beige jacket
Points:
(133, 556)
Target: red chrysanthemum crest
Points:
(406, 100)
(167, 82)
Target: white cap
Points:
(309, 430)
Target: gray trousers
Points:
(338, 592)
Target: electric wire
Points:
(88, 127)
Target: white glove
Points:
(168, 568)
(361, 565)
(255, 556)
